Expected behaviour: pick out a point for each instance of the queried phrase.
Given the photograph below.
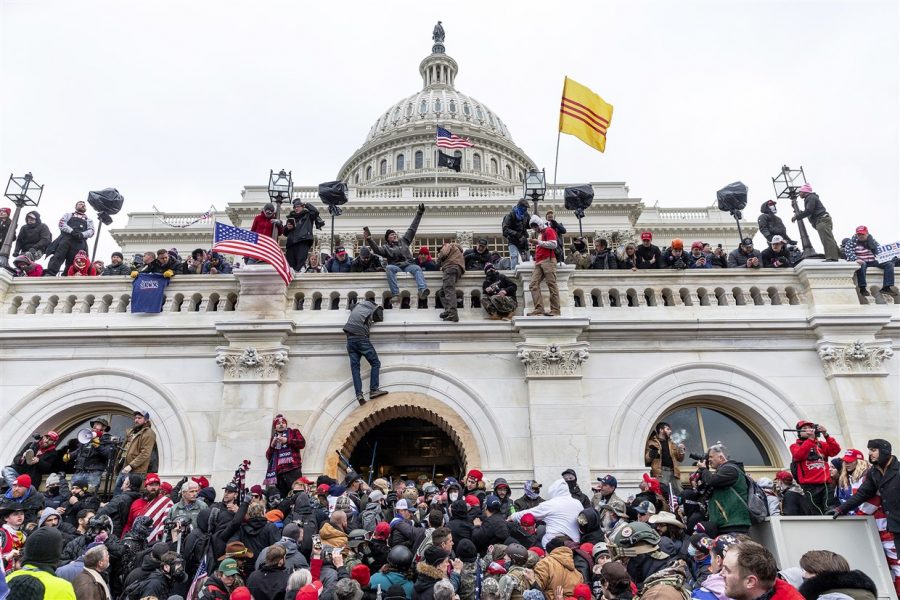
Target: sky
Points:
(181, 104)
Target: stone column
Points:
(553, 359)
(563, 273)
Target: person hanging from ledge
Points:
(544, 268)
(814, 210)
(395, 251)
(364, 314)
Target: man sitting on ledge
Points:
(399, 258)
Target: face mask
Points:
(453, 496)
(692, 551)
(774, 210)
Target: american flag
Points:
(199, 578)
(157, 510)
(445, 139)
(243, 242)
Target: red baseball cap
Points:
(202, 481)
(528, 520)
(303, 480)
(472, 500)
(862, 229)
(853, 454)
(646, 236)
(323, 489)
(697, 245)
(475, 474)
(52, 435)
(538, 550)
(166, 487)
(382, 531)
(152, 478)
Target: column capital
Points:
(856, 358)
(553, 361)
(252, 365)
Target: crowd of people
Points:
(528, 237)
(293, 538)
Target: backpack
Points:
(370, 518)
(757, 504)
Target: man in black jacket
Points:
(814, 210)
(478, 256)
(863, 249)
(882, 479)
(648, 255)
(360, 321)
(116, 266)
(492, 529)
(770, 224)
(398, 256)
(515, 229)
(34, 237)
(776, 255)
(603, 257)
(74, 227)
(299, 231)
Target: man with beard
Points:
(502, 491)
(153, 504)
(75, 227)
(36, 459)
(139, 442)
(283, 454)
(116, 266)
(80, 500)
(750, 572)
(476, 258)
(118, 508)
(571, 480)
(499, 300)
(34, 237)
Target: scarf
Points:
(529, 493)
(99, 579)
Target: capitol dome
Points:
(400, 146)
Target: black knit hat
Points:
(388, 233)
(883, 446)
(435, 556)
(43, 547)
(135, 481)
(465, 550)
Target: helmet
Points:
(343, 503)
(430, 489)
(632, 539)
(357, 537)
(400, 557)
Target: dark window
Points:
(419, 159)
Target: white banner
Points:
(887, 252)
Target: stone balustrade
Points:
(583, 293)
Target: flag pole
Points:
(436, 125)
(556, 163)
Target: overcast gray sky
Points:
(180, 104)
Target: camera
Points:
(696, 456)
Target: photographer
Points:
(809, 464)
(299, 231)
(663, 456)
(728, 490)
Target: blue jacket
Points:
(386, 580)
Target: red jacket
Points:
(296, 443)
(541, 254)
(785, 591)
(263, 226)
(811, 457)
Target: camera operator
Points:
(727, 488)
(810, 464)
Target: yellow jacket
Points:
(55, 588)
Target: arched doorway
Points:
(406, 448)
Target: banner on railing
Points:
(887, 252)
(166, 220)
(148, 292)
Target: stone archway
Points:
(100, 389)
(400, 405)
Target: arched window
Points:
(467, 110)
(698, 426)
(453, 106)
(476, 161)
(356, 177)
(419, 159)
(396, 114)
(368, 172)
(438, 105)
(508, 172)
(479, 113)
(400, 162)
(409, 110)
(382, 167)
(494, 167)
(423, 107)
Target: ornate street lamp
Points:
(786, 184)
(535, 186)
(281, 186)
(22, 191)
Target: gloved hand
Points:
(168, 273)
(835, 513)
(134, 274)
(95, 442)
(421, 208)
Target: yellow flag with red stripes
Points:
(584, 114)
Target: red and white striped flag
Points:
(445, 139)
(228, 239)
(157, 510)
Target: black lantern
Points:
(21, 191)
(281, 187)
(535, 186)
(786, 184)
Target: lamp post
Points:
(786, 184)
(281, 186)
(535, 186)
(22, 191)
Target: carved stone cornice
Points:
(464, 239)
(251, 364)
(854, 358)
(553, 361)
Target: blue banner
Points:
(147, 293)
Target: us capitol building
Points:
(730, 355)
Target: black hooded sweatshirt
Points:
(459, 523)
(36, 235)
(771, 225)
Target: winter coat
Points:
(190, 511)
(214, 589)
(559, 512)
(112, 270)
(466, 589)
(32, 503)
(727, 503)
(264, 226)
(813, 209)
(515, 229)
(694, 261)
(85, 502)
(333, 536)
(405, 533)
(386, 580)
(737, 258)
(505, 283)
(370, 266)
(557, 569)
(54, 587)
(886, 482)
(771, 225)
(296, 442)
(653, 456)
(524, 503)
(293, 559)
(670, 261)
(426, 577)
(785, 591)
(48, 461)
(32, 237)
(149, 565)
(452, 256)
(88, 457)
(117, 508)
(89, 585)
(222, 267)
(850, 247)
(459, 523)
(855, 584)
(257, 534)
(303, 225)
(605, 260)
(713, 588)
(333, 265)
(643, 256)
(157, 585)
(492, 530)
(5, 225)
(139, 448)
(476, 260)
(363, 315)
(811, 459)
(398, 253)
(775, 260)
(268, 583)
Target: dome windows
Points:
(476, 162)
(382, 167)
(419, 160)
(396, 114)
(491, 119)
(368, 173)
(452, 107)
(401, 163)
(423, 107)
(438, 105)
(467, 110)
(494, 167)
(409, 110)
(508, 172)
(479, 113)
